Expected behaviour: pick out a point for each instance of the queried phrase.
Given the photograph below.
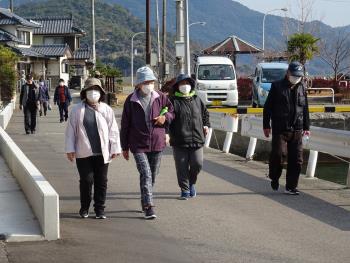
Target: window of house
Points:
(65, 67)
(24, 36)
(53, 40)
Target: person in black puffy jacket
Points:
(187, 134)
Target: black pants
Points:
(286, 144)
(63, 108)
(43, 106)
(30, 117)
(188, 163)
(92, 171)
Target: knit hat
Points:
(90, 82)
(144, 74)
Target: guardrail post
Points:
(227, 143)
(348, 178)
(208, 137)
(251, 148)
(311, 165)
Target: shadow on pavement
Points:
(309, 205)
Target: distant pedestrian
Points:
(63, 99)
(146, 114)
(30, 102)
(187, 134)
(92, 138)
(287, 108)
(44, 97)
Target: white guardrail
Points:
(223, 122)
(41, 196)
(330, 141)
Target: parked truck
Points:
(216, 82)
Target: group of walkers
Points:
(36, 97)
(93, 139)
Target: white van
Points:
(216, 82)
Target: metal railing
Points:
(322, 96)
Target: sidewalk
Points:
(235, 218)
(17, 222)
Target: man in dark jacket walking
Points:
(187, 134)
(287, 108)
(30, 102)
(62, 98)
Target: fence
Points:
(330, 141)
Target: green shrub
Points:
(8, 78)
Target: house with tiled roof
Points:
(48, 46)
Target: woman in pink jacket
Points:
(92, 138)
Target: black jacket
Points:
(23, 99)
(191, 115)
(285, 112)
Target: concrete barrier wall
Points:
(40, 194)
(6, 114)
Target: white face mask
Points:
(185, 89)
(147, 88)
(294, 80)
(61, 84)
(93, 96)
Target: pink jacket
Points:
(76, 138)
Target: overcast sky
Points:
(331, 12)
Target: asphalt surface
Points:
(235, 218)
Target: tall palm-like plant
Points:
(302, 47)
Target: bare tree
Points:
(302, 10)
(336, 53)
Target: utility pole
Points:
(93, 33)
(180, 37)
(164, 39)
(158, 47)
(11, 5)
(187, 41)
(148, 33)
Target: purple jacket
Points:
(135, 135)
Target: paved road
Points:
(235, 218)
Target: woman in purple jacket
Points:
(146, 114)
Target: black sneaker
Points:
(149, 213)
(84, 213)
(275, 185)
(27, 132)
(32, 132)
(100, 215)
(292, 191)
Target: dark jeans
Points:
(30, 117)
(286, 144)
(148, 167)
(188, 163)
(92, 171)
(63, 107)
(43, 106)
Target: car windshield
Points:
(270, 75)
(216, 72)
